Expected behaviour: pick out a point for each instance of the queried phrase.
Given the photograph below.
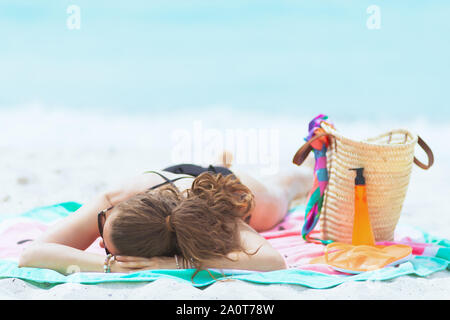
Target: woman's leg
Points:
(275, 194)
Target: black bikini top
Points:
(165, 182)
(247, 219)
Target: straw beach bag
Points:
(387, 161)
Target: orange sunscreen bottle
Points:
(362, 230)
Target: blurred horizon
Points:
(266, 57)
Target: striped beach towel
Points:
(430, 254)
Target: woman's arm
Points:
(67, 260)
(79, 230)
(61, 258)
(266, 259)
(259, 255)
(62, 245)
(61, 248)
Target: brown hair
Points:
(200, 224)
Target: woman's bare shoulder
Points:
(250, 238)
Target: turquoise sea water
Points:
(259, 56)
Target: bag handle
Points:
(302, 153)
(429, 153)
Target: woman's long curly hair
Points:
(199, 224)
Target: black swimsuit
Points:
(194, 171)
(189, 169)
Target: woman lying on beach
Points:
(184, 216)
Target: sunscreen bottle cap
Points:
(359, 180)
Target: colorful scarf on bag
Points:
(315, 197)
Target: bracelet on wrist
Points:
(107, 263)
(176, 262)
(188, 263)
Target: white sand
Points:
(49, 157)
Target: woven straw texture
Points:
(387, 161)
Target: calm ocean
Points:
(350, 59)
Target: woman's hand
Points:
(129, 264)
